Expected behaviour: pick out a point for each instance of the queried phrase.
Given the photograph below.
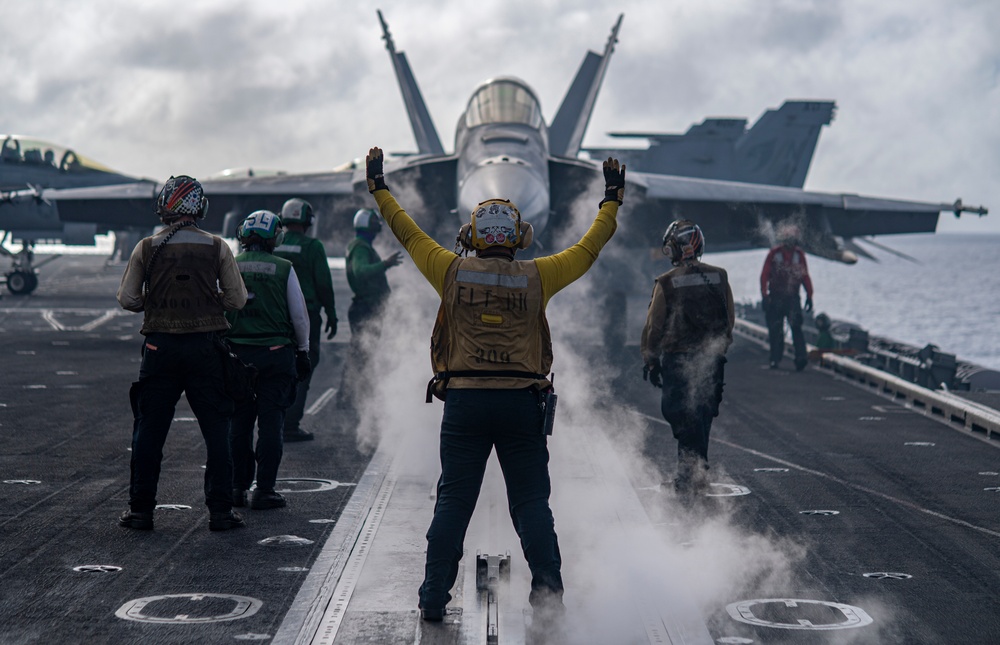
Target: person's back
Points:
(784, 273)
(183, 280)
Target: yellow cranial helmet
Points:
(495, 223)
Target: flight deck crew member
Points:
(689, 327)
(272, 333)
(784, 271)
(308, 257)
(491, 351)
(183, 280)
(366, 271)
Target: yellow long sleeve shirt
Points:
(556, 271)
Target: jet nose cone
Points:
(521, 184)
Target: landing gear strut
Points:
(22, 278)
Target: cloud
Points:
(157, 89)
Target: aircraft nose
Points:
(519, 183)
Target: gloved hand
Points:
(393, 260)
(614, 181)
(809, 304)
(303, 366)
(765, 303)
(373, 170)
(651, 372)
(331, 327)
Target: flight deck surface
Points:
(835, 515)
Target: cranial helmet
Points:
(297, 211)
(683, 241)
(368, 221)
(181, 195)
(265, 225)
(788, 234)
(495, 223)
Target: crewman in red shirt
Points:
(784, 272)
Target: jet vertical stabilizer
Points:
(779, 147)
(570, 122)
(428, 142)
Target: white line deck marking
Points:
(322, 400)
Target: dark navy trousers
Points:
(175, 364)
(692, 393)
(779, 308)
(294, 414)
(275, 390)
(474, 423)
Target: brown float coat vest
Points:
(491, 318)
(697, 309)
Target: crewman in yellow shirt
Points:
(491, 350)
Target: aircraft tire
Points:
(21, 282)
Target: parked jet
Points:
(776, 150)
(503, 147)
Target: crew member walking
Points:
(366, 276)
(689, 327)
(491, 351)
(183, 280)
(784, 272)
(308, 257)
(272, 333)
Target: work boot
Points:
(263, 499)
(134, 520)
(225, 520)
(773, 365)
(800, 364)
(432, 614)
(298, 434)
(239, 498)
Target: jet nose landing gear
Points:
(21, 282)
(22, 278)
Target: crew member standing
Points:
(491, 351)
(272, 333)
(689, 327)
(308, 257)
(183, 280)
(784, 272)
(366, 276)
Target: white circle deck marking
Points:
(252, 637)
(292, 569)
(97, 568)
(173, 507)
(66, 373)
(731, 490)
(285, 540)
(919, 443)
(770, 470)
(871, 418)
(833, 398)
(734, 640)
(993, 489)
(186, 419)
(320, 485)
(21, 481)
(322, 521)
(989, 473)
(819, 512)
(36, 387)
(887, 575)
(853, 616)
(243, 607)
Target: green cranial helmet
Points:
(263, 224)
(297, 211)
(368, 221)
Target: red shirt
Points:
(784, 271)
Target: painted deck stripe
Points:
(322, 400)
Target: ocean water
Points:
(949, 297)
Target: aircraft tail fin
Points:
(424, 131)
(570, 123)
(778, 148)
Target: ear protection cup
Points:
(464, 238)
(526, 234)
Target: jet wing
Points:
(736, 215)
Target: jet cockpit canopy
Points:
(18, 149)
(504, 100)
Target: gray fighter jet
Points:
(505, 148)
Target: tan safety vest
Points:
(697, 308)
(491, 319)
(184, 295)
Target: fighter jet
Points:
(505, 148)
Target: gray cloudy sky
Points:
(156, 88)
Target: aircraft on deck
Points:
(504, 148)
